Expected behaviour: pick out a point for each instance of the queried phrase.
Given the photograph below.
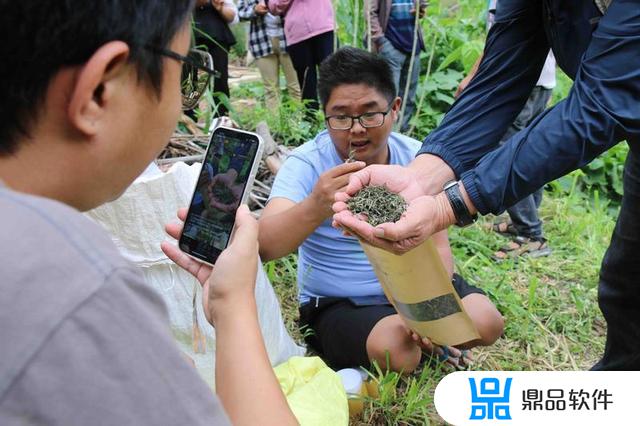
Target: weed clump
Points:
(378, 204)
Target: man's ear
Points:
(95, 83)
(395, 107)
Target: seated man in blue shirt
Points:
(334, 275)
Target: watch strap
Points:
(460, 210)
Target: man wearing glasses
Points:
(341, 300)
(89, 95)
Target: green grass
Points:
(550, 305)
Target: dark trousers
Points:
(524, 214)
(306, 56)
(220, 57)
(619, 290)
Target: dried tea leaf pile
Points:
(378, 204)
(222, 193)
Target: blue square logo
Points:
(488, 402)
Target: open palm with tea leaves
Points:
(377, 204)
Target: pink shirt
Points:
(303, 18)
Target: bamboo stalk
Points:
(335, 27)
(356, 15)
(424, 80)
(369, 35)
(258, 197)
(411, 60)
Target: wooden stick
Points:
(273, 163)
(270, 146)
(187, 159)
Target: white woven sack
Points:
(136, 223)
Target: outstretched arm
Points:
(513, 57)
(600, 111)
(245, 381)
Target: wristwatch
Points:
(460, 210)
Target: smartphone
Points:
(228, 171)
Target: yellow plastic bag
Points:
(314, 392)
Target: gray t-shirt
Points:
(83, 340)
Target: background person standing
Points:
(267, 44)
(308, 26)
(392, 36)
(212, 19)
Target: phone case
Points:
(250, 178)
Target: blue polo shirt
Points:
(330, 264)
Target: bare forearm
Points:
(282, 233)
(372, 6)
(432, 173)
(245, 381)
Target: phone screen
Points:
(225, 173)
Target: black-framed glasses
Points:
(367, 120)
(197, 70)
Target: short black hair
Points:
(39, 38)
(350, 65)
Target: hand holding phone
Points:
(228, 170)
(232, 282)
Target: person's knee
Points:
(486, 318)
(391, 347)
(490, 326)
(490, 329)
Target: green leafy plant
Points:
(604, 174)
(599, 181)
(291, 124)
